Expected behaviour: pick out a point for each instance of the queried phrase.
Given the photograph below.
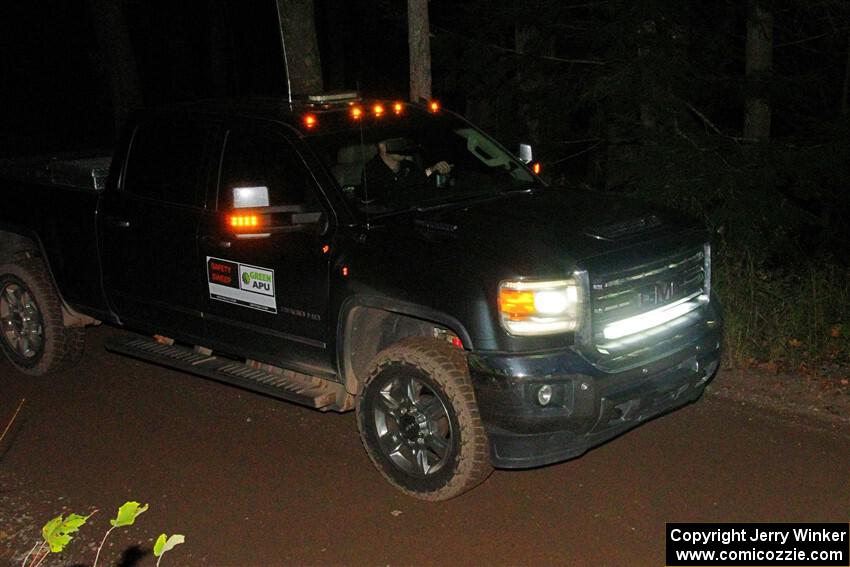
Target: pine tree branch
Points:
(517, 52)
(584, 151)
(714, 127)
(548, 57)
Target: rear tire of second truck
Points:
(33, 335)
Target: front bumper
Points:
(588, 406)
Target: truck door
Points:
(264, 254)
(148, 229)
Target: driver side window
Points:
(261, 169)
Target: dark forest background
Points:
(733, 110)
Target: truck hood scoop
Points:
(624, 229)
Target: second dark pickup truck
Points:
(473, 316)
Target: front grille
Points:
(678, 281)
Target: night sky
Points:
(55, 92)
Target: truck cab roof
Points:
(307, 113)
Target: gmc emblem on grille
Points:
(661, 292)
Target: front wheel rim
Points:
(413, 426)
(21, 323)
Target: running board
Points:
(287, 385)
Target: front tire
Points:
(33, 335)
(419, 420)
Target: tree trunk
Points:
(844, 92)
(420, 50)
(529, 41)
(298, 29)
(335, 15)
(116, 49)
(221, 48)
(647, 39)
(759, 63)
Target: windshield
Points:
(417, 161)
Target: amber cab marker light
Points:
(434, 106)
(244, 221)
(356, 112)
(536, 168)
(310, 120)
(378, 110)
(398, 107)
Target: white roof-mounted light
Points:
(326, 98)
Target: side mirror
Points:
(525, 154)
(250, 197)
(308, 218)
(313, 222)
(253, 217)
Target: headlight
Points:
(539, 307)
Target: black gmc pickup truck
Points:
(379, 256)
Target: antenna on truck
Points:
(283, 45)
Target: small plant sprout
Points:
(57, 532)
(164, 544)
(56, 535)
(127, 514)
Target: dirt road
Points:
(253, 481)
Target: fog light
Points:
(544, 395)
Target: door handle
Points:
(116, 222)
(217, 242)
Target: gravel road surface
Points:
(251, 480)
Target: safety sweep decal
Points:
(241, 284)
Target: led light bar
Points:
(654, 318)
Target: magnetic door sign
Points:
(241, 284)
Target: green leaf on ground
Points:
(162, 544)
(57, 532)
(127, 514)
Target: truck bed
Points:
(87, 170)
(52, 201)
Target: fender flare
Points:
(389, 305)
(70, 316)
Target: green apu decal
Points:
(248, 277)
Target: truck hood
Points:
(559, 227)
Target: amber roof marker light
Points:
(434, 106)
(398, 107)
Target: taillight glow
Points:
(244, 221)
(434, 106)
(457, 342)
(310, 120)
